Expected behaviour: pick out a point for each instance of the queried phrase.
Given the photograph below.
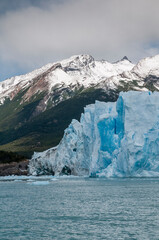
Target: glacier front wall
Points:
(119, 139)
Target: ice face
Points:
(119, 139)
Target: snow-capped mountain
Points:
(75, 72)
(81, 71)
(142, 75)
(36, 108)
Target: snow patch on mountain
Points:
(140, 73)
(147, 66)
(87, 71)
(10, 87)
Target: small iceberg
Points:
(39, 183)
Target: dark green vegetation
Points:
(8, 157)
(22, 133)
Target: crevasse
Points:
(119, 139)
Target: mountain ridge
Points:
(56, 72)
(37, 107)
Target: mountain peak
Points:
(80, 57)
(147, 66)
(78, 61)
(125, 58)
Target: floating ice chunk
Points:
(37, 183)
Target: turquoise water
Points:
(79, 208)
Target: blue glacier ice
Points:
(114, 139)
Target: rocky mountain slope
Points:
(36, 108)
(59, 80)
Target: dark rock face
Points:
(66, 171)
(125, 58)
(20, 168)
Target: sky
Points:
(36, 32)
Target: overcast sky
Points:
(36, 32)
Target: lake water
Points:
(79, 208)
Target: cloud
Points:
(33, 35)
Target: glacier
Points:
(114, 139)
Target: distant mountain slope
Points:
(36, 108)
(62, 78)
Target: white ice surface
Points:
(119, 139)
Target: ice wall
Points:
(119, 139)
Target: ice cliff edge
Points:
(114, 139)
